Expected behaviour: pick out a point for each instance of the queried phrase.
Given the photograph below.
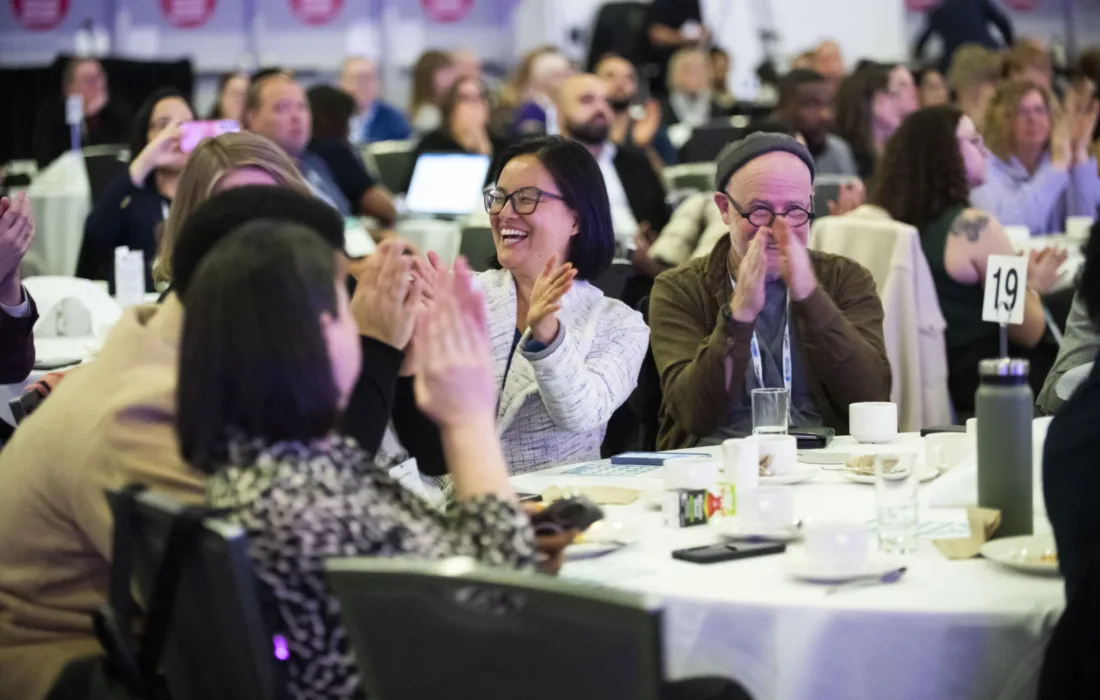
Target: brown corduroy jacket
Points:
(702, 356)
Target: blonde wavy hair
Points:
(207, 165)
(998, 129)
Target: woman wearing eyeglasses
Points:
(565, 356)
(1040, 169)
(465, 126)
(925, 178)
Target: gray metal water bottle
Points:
(1004, 410)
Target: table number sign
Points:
(1005, 289)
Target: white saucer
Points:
(802, 472)
(875, 440)
(736, 529)
(926, 474)
(1023, 553)
(796, 566)
(591, 550)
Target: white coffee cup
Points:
(766, 508)
(971, 426)
(691, 473)
(741, 461)
(780, 452)
(873, 421)
(1078, 228)
(945, 451)
(1019, 236)
(836, 547)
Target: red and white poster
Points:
(446, 10)
(316, 12)
(187, 14)
(39, 15)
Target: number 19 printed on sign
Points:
(1005, 289)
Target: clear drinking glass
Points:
(896, 481)
(769, 412)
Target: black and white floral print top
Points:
(303, 503)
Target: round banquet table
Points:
(948, 630)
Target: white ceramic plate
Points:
(735, 529)
(796, 566)
(926, 474)
(802, 472)
(1023, 553)
(591, 550)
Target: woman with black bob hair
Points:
(262, 383)
(131, 208)
(564, 355)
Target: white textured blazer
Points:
(555, 403)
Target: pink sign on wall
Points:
(446, 10)
(187, 14)
(40, 15)
(316, 12)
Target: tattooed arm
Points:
(974, 236)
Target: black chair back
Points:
(394, 161)
(103, 166)
(216, 647)
(477, 245)
(619, 28)
(493, 634)
(706, 142)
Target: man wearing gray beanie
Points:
(763, 311)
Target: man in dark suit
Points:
(635, 190)
(105, 121)
(17, 309)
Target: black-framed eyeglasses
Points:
(763, 216)
(524, 200)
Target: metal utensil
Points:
(891, 576)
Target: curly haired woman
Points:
(924, 179)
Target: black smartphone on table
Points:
(715, 553)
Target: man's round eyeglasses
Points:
(524, 200)
(763, 216)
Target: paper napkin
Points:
(600, 495)
(983, 524)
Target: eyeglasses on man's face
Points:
(761, 215)
(524, 200)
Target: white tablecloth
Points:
(62, 198)
(947, 630)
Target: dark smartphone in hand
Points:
(715, 553)
(577, 513)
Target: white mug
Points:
(767, 507)
(873, 421)
(691, 473)
(741, 461)
(780, 452)
(945, 451)
(837, 547)
(1078, 228)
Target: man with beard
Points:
(806, 107)
(635, 190)
(647, 133)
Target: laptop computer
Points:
(446, 185)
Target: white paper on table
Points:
(357, 240)
(1005, 289)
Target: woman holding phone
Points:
(137, 201)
